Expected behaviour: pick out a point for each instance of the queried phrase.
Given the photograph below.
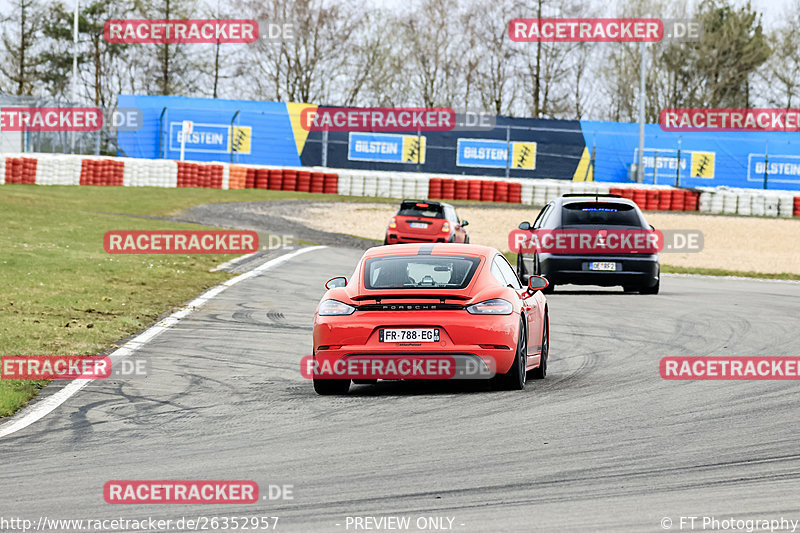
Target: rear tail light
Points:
(393, 223)
(335, 307)
(495, 306)
(446, 227)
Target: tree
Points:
(166, 68)
(55, 57)
(374, 65)
(721, 64)
(309, 65)
(547, 66)
(582, 75)
(432, 53)
(779, 78)
(102, 55)
(490, 63)
(20, 33)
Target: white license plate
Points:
(409, 335)
(598, 265)
(419, 225)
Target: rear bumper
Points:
(631, 269)
(394, 237)
(486, 338)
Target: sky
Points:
(772, 9)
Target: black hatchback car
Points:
(635, 272)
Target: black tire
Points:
(630, 288)
(365, 381)
(385, 241)
(537, 269)
(653, 289)
(452, 238)
(516, 376)
(329, 387)
(541, 372)
(466, 239)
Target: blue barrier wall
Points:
(270, 133)
(735, 159)
(261, 130)
(530, 148)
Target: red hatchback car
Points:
(424, 221)
(433, 301)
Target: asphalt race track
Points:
(603, 444)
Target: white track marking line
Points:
(233, 261)
(43, 407)
(736, 278)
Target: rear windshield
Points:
(420, 209)
(599, 214)
(419, 272)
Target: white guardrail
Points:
(58, 169)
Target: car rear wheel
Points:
(653, 289)
(466, 239)
(537, 269)
(541, 372)
(516, 376)
(328, 387)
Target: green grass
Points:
(724, 272)
(64, 295)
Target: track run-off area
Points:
(602, 444)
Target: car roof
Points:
(441, 248)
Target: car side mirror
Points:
(525, 225)
(537, 283)
(339, 281)
(464, 223)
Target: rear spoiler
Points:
(590, 195)
(409, 296)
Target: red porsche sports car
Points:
(425, 221)
(433, 301)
